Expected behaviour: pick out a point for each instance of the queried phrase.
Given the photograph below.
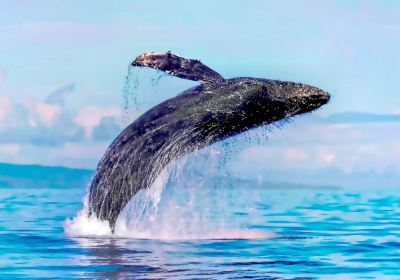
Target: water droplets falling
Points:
(131, 87)
(129, 93)
(158, 75)
(140, 90)
(232, 146)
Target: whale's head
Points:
(271, 100)
(294, 98)
(244, 103)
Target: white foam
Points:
(83, 225)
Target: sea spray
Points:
(84, 225)
(190, 199)
(168, 209)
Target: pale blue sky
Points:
(349, 48)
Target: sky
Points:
(63, 65)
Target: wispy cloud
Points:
(107, 129)
(65, 32)
(10, 149)
(50, 122)
(3, 74)
(92, 116)
(359, 117)
(5, 107)
(315, 145)
(58, 96)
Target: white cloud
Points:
(78, 154)
(32, 121)
(81, 150)
(329, 157)
(90, 117)
(312, 146)
(10, 149)
(5, 107)
(297, 154)
(45, 113)
(2, 75)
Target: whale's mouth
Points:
(314, 102)
(306, 104)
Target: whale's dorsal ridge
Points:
(178, 66)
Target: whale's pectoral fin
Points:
(190, 69)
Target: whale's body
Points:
(216, 109)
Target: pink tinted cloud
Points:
(82, 150)
(3, 74)
(5, 107)
(90, 117)
(348, 147)
(10, 149)
(44, 113)
(296, 154)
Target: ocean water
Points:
(231, 231)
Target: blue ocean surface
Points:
(310, 234)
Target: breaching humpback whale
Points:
(214, 110)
